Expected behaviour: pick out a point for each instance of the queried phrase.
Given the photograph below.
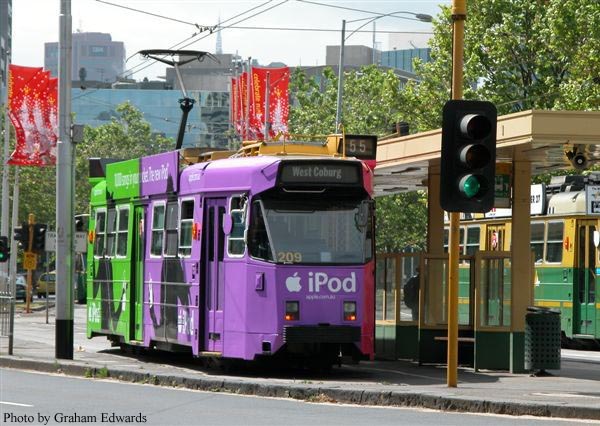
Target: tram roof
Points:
(541, 137)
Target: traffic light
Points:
(468, 156)
(4, 249)
(21, 235)
(39, 237)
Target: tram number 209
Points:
(289, 257)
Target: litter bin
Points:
(542, 339)
(80, 288)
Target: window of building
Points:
(186, 223)
(158, 225)
(122, 230)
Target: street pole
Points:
(64, 193)
(13, 262)
(267, 94)
(4, 228)
(459, 15)
(248, 97)
(340, 94)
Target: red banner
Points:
(278, 98)
(33, 111)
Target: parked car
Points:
(21, 292)
(46, 280)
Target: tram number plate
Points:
(29, 260)
(289, 257)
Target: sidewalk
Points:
(573, 391)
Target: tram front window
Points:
(310, 231)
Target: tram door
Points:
(584, 293)
(214, 238)
(495, 238)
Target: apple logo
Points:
(293, 283)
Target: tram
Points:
(565, 241)
(265, 252)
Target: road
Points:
(33, 398)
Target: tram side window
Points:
(158, 223)
(472, 240)
(111, 233)
(171, 233)
(554, 242)
(100, 231)
(236, 245)
(185, 227)
(258, 239)
(537, 241)
(122, 230)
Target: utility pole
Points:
(4, 228)
(340, 94)
(64, 192)
(459, 15)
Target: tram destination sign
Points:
(312, 173)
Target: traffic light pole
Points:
(459, 14)
(28, 251)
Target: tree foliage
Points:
(541, 54)
(126, 136)
(370, 103)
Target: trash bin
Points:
(80, 289)
(542, 339)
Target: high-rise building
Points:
(5, 43)
(96, 57)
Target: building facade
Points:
(403, 59)
(96, 57)
(207, 122)
(5, 44)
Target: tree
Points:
(541, 54)
(370, 105)
(126, 136)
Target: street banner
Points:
(233, 107)
(278, 101)
(33, 111)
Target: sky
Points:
(36, 22)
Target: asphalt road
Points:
(33, 398)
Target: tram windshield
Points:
(321, 230)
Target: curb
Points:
(308, 393)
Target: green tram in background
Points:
(565, 242)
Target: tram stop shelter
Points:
(491, 323)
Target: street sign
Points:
(81, 242)
(29, 260)
(50, 241)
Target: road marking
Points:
(15, 403)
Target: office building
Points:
(96, 57)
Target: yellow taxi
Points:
(46, 281)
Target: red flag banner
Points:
(278, 100)
(243, 103)
(233, 103)
(33, 110)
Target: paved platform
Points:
(572, 392)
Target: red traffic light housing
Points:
(468, 165)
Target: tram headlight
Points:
(292, 311)
(349, 311)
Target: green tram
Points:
(565, 243)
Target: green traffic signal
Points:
(4, 249)
(470, 186)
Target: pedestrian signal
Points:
(21, 235)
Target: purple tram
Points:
(243, 257)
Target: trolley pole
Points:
(64, 193)
(459, 15)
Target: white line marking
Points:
(15, 403)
